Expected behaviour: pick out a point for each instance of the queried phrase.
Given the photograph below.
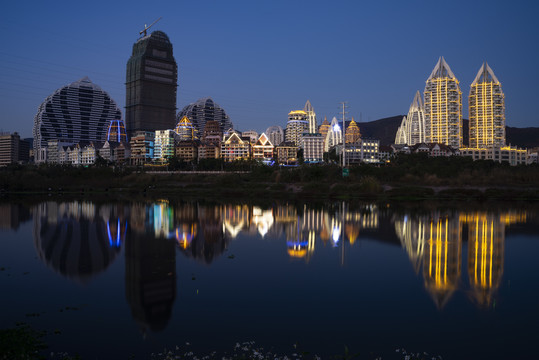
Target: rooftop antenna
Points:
(146, 27)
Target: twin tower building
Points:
(438, 119)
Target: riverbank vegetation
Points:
(414, 176)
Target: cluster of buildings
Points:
(80, 123)
(434, 123)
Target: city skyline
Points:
(347, 52)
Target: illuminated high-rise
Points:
(311, 117)
(443, 107)
(412, 129)
(334, 135)
(297, 125)
(487, 110)
(151, 81)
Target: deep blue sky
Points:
(261, 59)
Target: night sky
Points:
(261, 59)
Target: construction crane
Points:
(145, 31)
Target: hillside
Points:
(385, 130)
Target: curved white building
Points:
(80, 111)
(334, 135)
(412, 129)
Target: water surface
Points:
(121, 278)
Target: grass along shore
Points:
(409, 177)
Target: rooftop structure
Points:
(151, 82)
(352, 134)
(487, 110)
(185, 130)
(443, 107)
(116, 132)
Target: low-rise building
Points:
(286, 153)
(263, 149)
(512, 155)
(313, 148)
(235, 147)
(9, 148)
(163, 145)
(187, 150)
(366, 150)
(142, 147)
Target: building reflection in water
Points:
(441, 258)
(76, 239)
(150, 261)
(80, 239)
(12, 215)
(436, 241)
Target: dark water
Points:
(120, 278)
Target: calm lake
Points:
(111, 279)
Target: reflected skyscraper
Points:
(441, 258)
(411, 233)
(486, 238)
(150, 274)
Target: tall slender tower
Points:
(487, 110)
(151, 81)
(311, 117)
(443, 107)
(415, 121)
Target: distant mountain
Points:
(385, 130)
(522, 137)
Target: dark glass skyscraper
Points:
(151, 81)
